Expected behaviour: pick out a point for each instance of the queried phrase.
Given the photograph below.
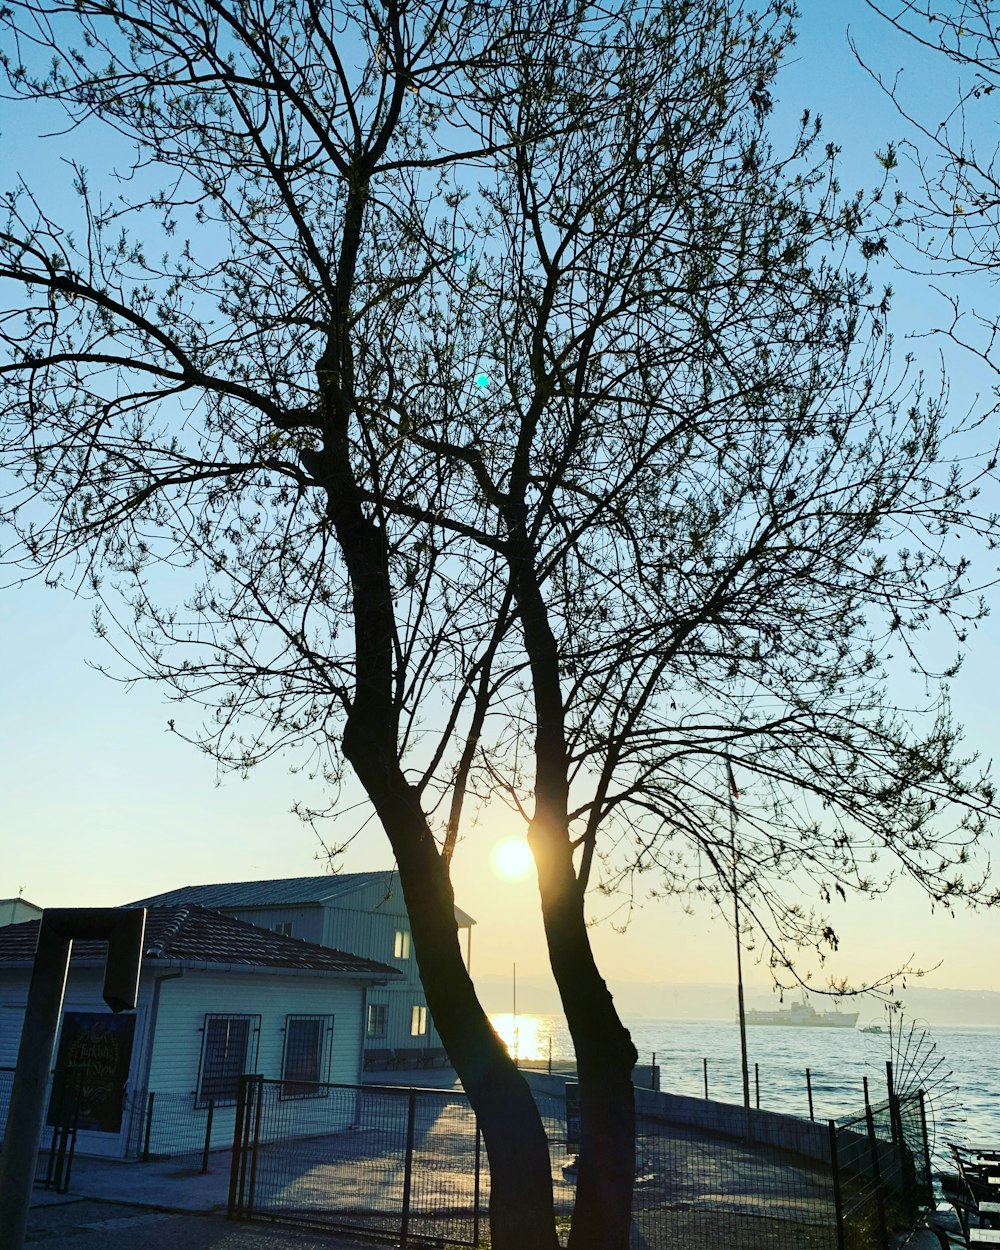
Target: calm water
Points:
(957, 1067)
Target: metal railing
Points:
(59, 1132)
(881, 1169)
(161, 1124)
(388, 1161)
(407, 1164)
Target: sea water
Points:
(957, 1068)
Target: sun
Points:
(512, 858)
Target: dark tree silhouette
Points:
(470, 393)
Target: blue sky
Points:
(101, 804)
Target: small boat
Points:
(872, 1028)
(804, 1016)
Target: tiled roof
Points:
(197, 934)
(281, 892)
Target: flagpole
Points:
(733, 794)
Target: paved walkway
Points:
(68, 1222)
(174, 1184)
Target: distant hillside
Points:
(643, 1000)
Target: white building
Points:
(362, 912)
(217, 997)
(15, 910)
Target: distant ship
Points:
(804, 1016)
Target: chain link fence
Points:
(701, 1190)
(159, 1124)
(409, 1165)
(395, 1162)
(881, 1165)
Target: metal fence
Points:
(702, 1190)
(396, 1162)
(59, 1131)
(6, 1085)
(881, 1165)
(159, 1124)
(408, 1164)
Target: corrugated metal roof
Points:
(281, 892)
(195, 933)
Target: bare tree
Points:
(943, 174)
(520, 424)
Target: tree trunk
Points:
(522, 1215)
(605, 1057)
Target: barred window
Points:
(303, 1065)
(225, 1056)
(377, 1019)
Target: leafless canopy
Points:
(604, 365)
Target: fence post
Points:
(64, 1107)
(72, 1152)
(55, 1110)
(838, 1203)
(255, 1150)
(704, 1064)
(476, 1190)
(208, 1135)
(70, 1116)
(236, 1164)
(892, 1097)
(809, 1090)
(929, 1193)
(877, 1176)
(149, 1127)
(411, 1115)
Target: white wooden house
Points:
(362, 912)
(14, 910)
(217, 997)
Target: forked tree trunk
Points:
(522, 1216)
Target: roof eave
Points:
(207, 965)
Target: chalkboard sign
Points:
(95, 1053)
(572, 1118)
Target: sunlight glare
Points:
(524, 1036)
(512, 858)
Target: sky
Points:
(101, 804)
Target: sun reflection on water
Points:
(526, 1037)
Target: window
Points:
(418, 1021)
(377, 1014)
(225, 1056)
(284, 928)
(303, 1068)
(402, 947)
